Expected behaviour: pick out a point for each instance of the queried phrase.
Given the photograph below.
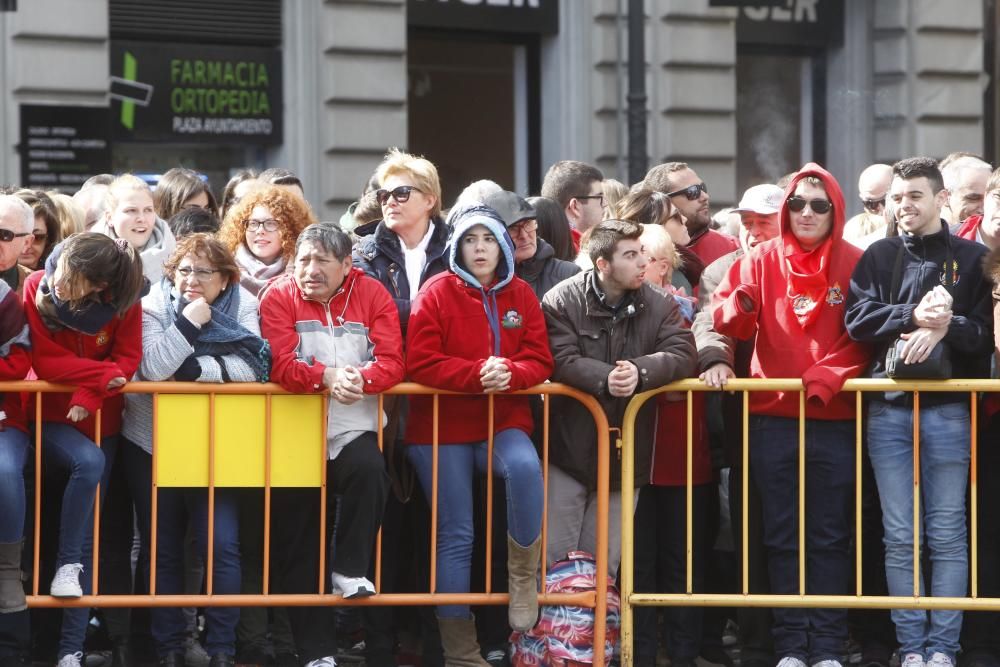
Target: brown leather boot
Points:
(458, 639)
(522, 582)
(11, 588)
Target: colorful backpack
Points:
(564, 636)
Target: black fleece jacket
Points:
(870, 317)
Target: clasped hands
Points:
(932, 316)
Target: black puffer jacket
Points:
(380, 256)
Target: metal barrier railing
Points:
(214, 394)
(629, 598)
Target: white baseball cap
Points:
(763, 199)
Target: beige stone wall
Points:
(51, 52)
(928, 76)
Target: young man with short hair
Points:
(612, 335)
(579, 189)
(927, 288)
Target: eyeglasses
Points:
(7, 236)
(817, 205)
(40, 236)
(268, 225)
(599, 197)
(400, 194)
(692, 192)
(873, 204)
(525, 227)
(201, 274)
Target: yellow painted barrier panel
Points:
(298, 440)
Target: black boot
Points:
(121, 656)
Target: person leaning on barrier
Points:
(719, 359)
(927, 288)
(332, 330)
(453, 344)
(198, 325)
(86, 330)
(790, 292)
(15, 360)
(612, 336)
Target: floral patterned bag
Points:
(564, 636)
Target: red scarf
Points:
(808, 278)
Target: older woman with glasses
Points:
(198, 324)
(261, 231)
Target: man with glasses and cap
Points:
(690, 194)
(534, 258)
(873, 184)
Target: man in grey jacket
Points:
(612, 335)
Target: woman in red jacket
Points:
(479, 329)
(86, 330)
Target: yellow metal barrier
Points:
(210, 435)
(629, 598)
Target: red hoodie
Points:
(821, 353)
(89, 362)
(449, 339)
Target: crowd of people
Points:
(609, 288)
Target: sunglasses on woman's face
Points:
(798, 204)
(400, 194)
(7, 236)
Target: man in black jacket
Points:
(927, 288)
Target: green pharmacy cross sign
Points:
(191, 93)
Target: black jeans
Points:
(660, 563)
(357, 487)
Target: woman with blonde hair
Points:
(261, 231)
(72, 217)
(129, 213)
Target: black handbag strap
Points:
(897, 271)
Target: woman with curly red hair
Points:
(261, 230)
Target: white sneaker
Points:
(912, 660)
(328, 661)
(70, 659)
(352, 587)
(791, 662)
(66, 583)
(940, 660)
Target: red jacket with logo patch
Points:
(89, 362)
(822, 353)
(448, 341)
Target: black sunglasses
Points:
(873, 204)
(400, 194)
(7, 236)
(817, 205)
(692, 192)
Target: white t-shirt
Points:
(416, 259)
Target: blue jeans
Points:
(515, 460)
(173, 510)
(13, 455)
(944, 470)
(811, 635)
(66, 450)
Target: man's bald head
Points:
(873, 184)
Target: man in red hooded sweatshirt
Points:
(790, 291)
